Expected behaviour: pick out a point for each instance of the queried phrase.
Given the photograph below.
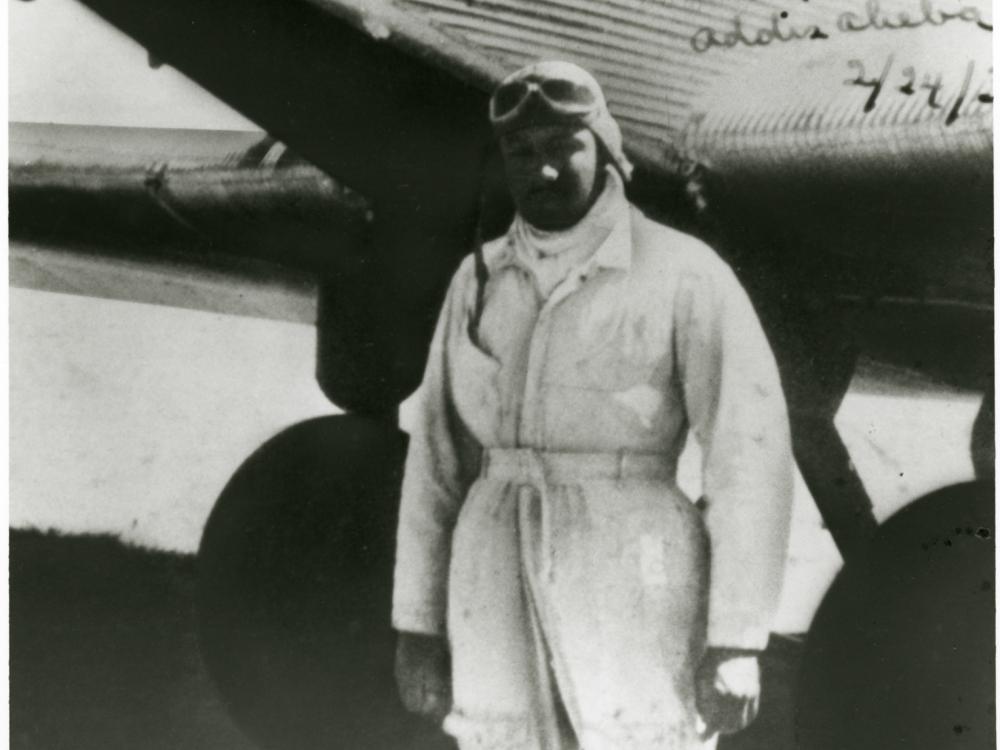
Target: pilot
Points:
(554, 589)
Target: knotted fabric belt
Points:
(562, 467)
(536, 470)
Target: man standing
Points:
(554, 589)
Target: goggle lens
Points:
(566, 92)
(559, 93)
(507, 98)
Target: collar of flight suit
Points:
(614, 253)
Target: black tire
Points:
(901, 651)
(295, 574)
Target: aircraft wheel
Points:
(295, 572)
(900, 654)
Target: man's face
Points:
(553, 172)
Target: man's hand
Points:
(727, 690)
(423, 674)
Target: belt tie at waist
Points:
(538, 470)
(568, 467)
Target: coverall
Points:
(541, 529)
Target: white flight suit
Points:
(541, 530)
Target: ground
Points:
(104, 654)
(103, 650)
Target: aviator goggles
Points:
(562, 97)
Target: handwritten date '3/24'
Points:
(909, 86)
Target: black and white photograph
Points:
(501, 375)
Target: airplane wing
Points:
(223, 221)
(783, 102)
(772, 84)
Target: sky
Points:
(68, 65)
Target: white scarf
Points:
(550, 256)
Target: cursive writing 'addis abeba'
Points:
(871, 18)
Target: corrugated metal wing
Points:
(739, 83)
